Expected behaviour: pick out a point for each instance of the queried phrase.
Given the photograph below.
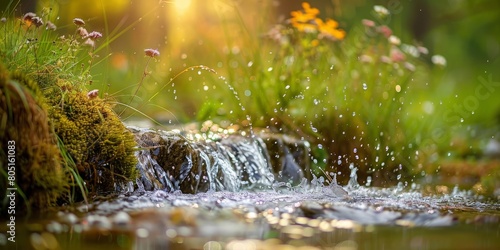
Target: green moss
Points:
(101, 146)
(47, 102)
(39, 175)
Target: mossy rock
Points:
(94, 136)
(39, 175)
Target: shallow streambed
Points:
(305, 217)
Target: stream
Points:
(226, 191)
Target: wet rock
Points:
(289, 156)
(312, 209)
(67, 218)
(121, 219)
(97, 222)
(169, 161)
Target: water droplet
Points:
(365, 87)
(270, 69)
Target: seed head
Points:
(78, 22)
(28, 16)
(3, 19)
(151, 52)
(93, 94)
(37, 21)
(50, 26)
(82, 32)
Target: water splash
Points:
(169, 161)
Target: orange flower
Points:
(308, 10)
(305, 27)
(306, 21)
(329, 29)
(303, 20)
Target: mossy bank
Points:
(69, 144)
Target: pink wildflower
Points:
(386, 31)
(423, 50)
(397, 55)
(94, 35)
(151, 52)
(368, 23)
(385, 59)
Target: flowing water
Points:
(231, 191)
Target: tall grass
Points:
(351, 97)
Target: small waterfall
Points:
(169, 161)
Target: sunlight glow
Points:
(182, 6)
